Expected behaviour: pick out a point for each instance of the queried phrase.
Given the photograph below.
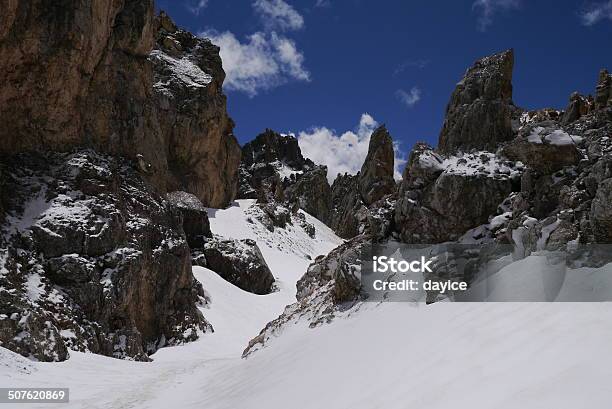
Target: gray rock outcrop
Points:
(544, 149)
(376, 176)
(239, 262)
(273, 170)
(479, 113)
(195, 217)
(94, 261)
(349, 213)
(603, 92)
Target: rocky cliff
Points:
(104, 109)
(112, 76)
(603, 93)
(203, 154)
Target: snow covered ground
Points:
(390, 355)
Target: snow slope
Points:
(389, 355)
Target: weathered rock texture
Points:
(93, 261)
(311, 192)
(273, 170)
(603, 93)
(93, 59)
(579, 105)
(544, 149)
(359, 201)
(203, 155)
(480, 110)
(349, 213)
(342, 266)
(330, 287)
(105, 108)
(195, 217)
(241, 263)
(440, 199)
(376, 176)
(270, 147)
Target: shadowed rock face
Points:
(93, 59)
(203, 154)
(195, 217)
(579, 105)
(603, 93)
(359, 202)
(439, 201)
(95, 261)
(349, 211)
(376, 176)
(241, 263)
(311, 192)
(478, 115)
(273, 170)
(601, 212)
(271, 146)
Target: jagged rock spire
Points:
(603, 94)
(376, 176)
(478, 115)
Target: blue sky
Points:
(311, 65)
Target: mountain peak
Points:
(478, 115)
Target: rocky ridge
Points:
(274, 171)
(500, 175)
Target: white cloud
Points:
(263, 61)
(409, 98)
(196, 7)
(596, 13)
(290, 57)
(323, 3)
(277, 14)
(343, 153)
(488, 8)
